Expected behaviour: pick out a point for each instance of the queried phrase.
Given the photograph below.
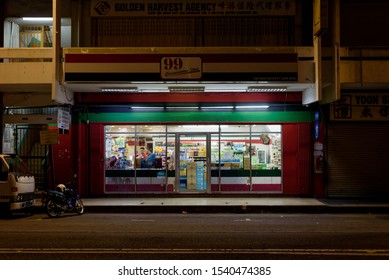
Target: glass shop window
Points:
(119, 147)
(266, 147)
(151, 147)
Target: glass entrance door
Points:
(193, 161)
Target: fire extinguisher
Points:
(318, 157)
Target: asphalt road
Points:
(195, 236)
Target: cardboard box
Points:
(246, 163)
(191, 185)
(235, 165)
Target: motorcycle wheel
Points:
(79, 207)
(52, 209)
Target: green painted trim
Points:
(202, 117)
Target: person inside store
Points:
(148, 159)
(143, 153)
(141, 157)
(151, 158)
(112, 162)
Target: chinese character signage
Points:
(144, 8)
(361, 107)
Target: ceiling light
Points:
(37, 18)
(252, 107)
(265, 89)
(218, 107)
(146, 108)
(180, 108)
(186, 89)
(120, 90)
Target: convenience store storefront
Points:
(238, 156)
(212, 120)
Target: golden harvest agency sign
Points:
(361, 107)
(145, 8)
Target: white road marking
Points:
(300, 252)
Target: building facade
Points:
(215, 97)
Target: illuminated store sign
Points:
(176, 68)
(117, 67)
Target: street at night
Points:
(195, 236)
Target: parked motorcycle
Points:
(63, 199)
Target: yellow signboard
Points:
(49, 137)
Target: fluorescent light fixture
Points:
(183, 107)
(146, 108)
(186, 89)
(201, 125)
(37, 18)
(120, 90)
(154, 90)
(218, 107)
(265, 89)
(252, 107)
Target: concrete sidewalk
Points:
(233, 204)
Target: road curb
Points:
(236, 209)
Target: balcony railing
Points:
(26, 66)
(33, 66)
